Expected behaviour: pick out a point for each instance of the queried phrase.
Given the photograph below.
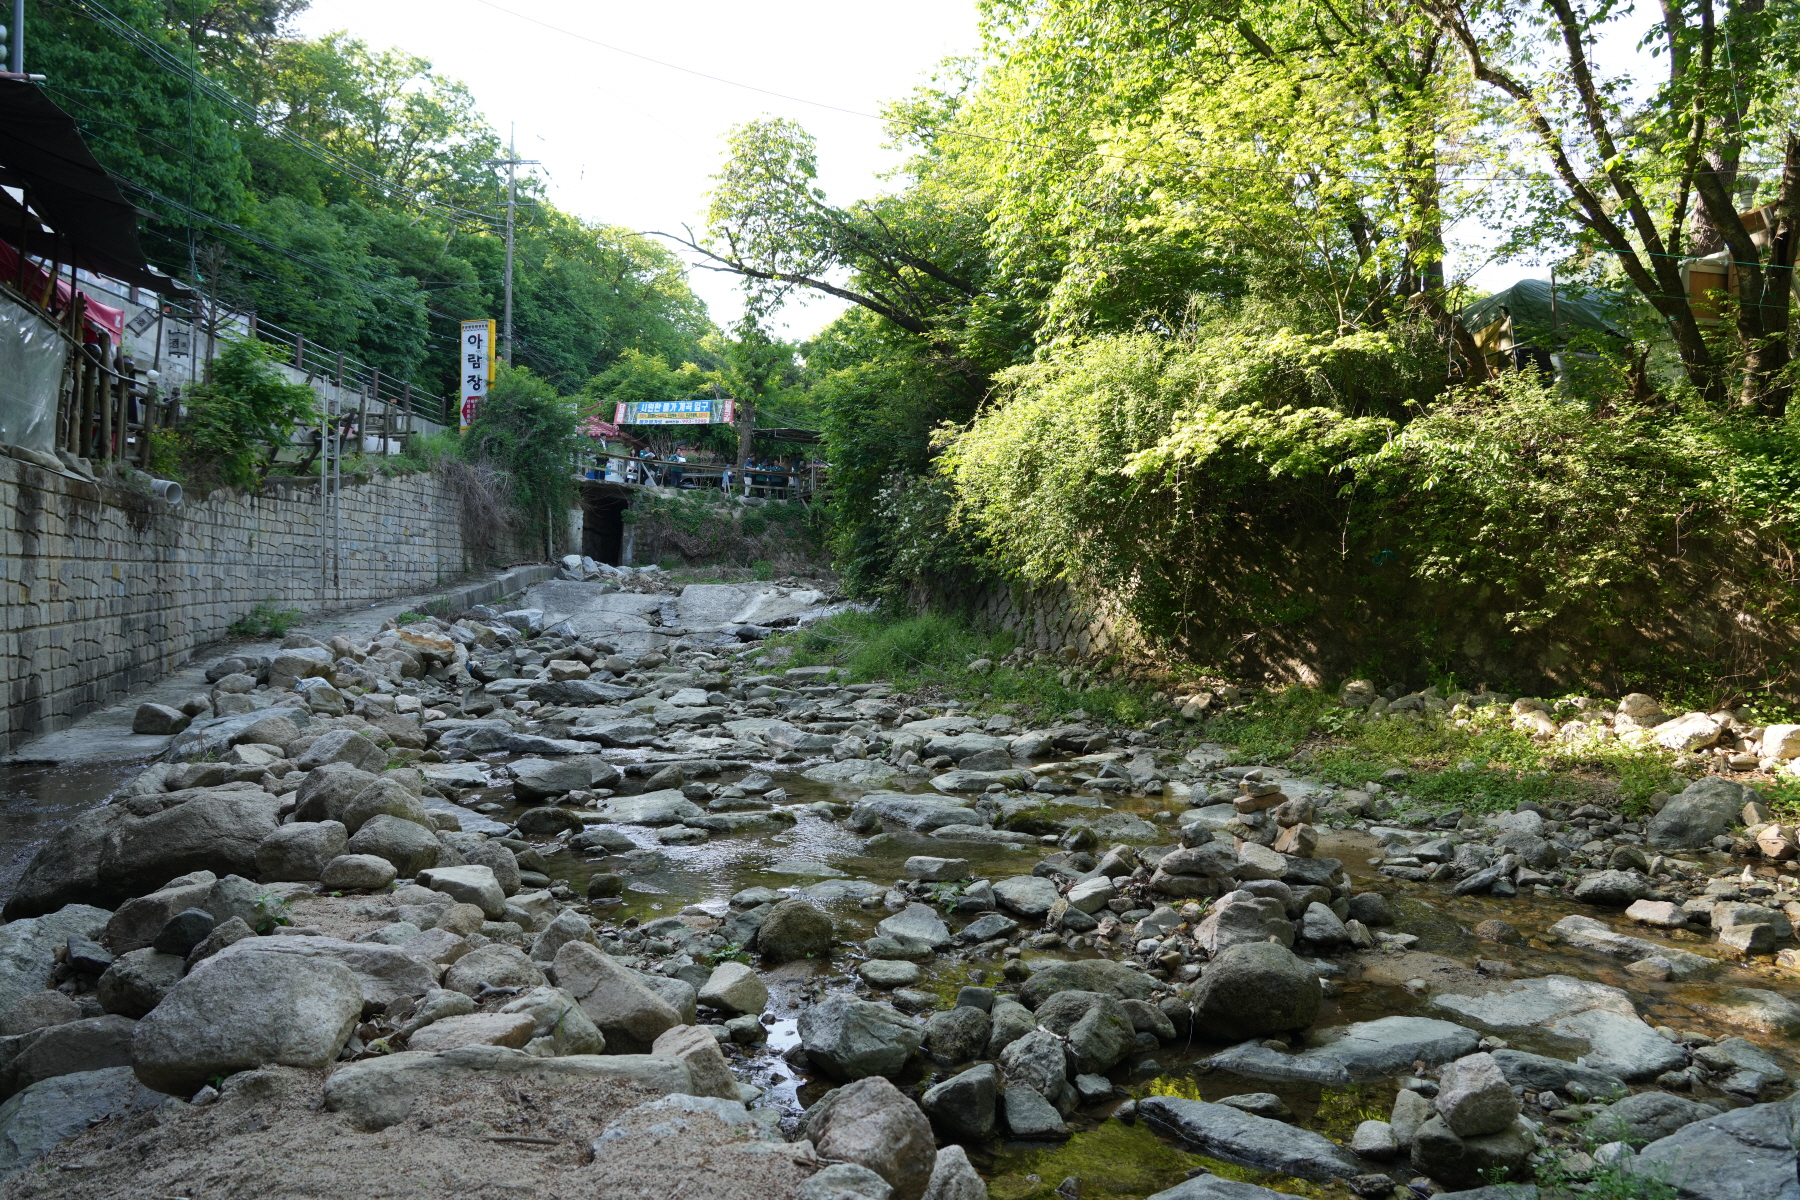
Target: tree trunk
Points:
(1768, 384)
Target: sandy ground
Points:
(270, 1138)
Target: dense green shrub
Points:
(526, 434)
(234, 423)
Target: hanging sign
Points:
(477, 366)
(675, 412)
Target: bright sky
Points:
(631, 143)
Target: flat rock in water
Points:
(1366, 1050)
(1753, 1008)
(921, 813)
(666, 807)
(1530, 1003)
(1217, 1187)
(1589, 934)
(1748, 1154)
(1540, 1073)
(977, 781)
(1249, 1141)
(854, 772)
(804, 866)
(843, 889)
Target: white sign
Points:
(477, 366)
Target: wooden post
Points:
(406, 409)
(104, 396)
(746, 424)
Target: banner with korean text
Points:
(676, 412)
(477, 367)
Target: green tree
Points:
(240, 418)
(526, 433)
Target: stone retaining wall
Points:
(103, 589)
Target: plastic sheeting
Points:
(31, 364)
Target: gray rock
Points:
(28, 948)
(36, 1010)
(537, 778)
(1541, 1074)
(663, 807)
(1368, 1050)
(1648, 1117)
(706, 1064)
(734, 987)
(1257, 989)
(93, 1044)
(1589, 934)
(844, 1180)
(987, 927)
(299, 852)
(935, 870)
(494, 965)
(1699, 813)
(1372, 909)
(628, 1014)
(1037, 1061)
(1085, 975)
(1250, 1141)
(1474, 1098)
(137, 982)
(1217, 1187)
(185, 930)
(958, 1035)
(473, 884)
(378, 1092)
(1240, 919)
(1321, 926)
(1026, 896)
(326, 792)
(1747, 1154)
(357, 872)
(1099, 1033)
(1411, 1110)
(1611, 889)
(1374, 1139)
(387, 796)
(1469, 1162)
(383, 974)
(51, 1111)
(792, 930)
(963, 1105)
(921, 814)
(1010, 1021)
(214, 830)
(889, 973)
(569, 926)
(343, 746)
(1752, 1008)
(244, 1010)
(409, 846)
(918, 921)
(1031, 1117)
(952, 1178)
(850, 1039)
(138, 921)
(872, 1123)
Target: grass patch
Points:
(1509, 766)
(267, 619)
(931, 653)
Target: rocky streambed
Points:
(597, 897)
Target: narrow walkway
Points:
(105, 736)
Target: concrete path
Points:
(105, 736)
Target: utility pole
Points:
(511, 162)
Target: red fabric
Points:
(103, 317)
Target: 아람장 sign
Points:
(477, 366)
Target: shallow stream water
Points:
(1111, 1158)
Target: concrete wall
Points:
(103, 589)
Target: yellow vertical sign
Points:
(477, 366)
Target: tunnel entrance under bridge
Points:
(603, 508)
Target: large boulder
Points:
(917, 921)
(299, 852)
(1474, 1098)
(792, 930)
(1240, 918)
(328, 790)
(137, 981)
(1085, 975)
(495, 965)
(1028, 896)
(387, 796)
(734, 987)
(473, 884)
(28, 948)
(962, 1106)
(51, 1111)
(560, 1025)
(851, 1039)
(74, 1046)
(1469, 1162)
(498, 859)
(343, 746)
(137, 922)
(706, 1064)
(407, 844)
(1746, 1154)
(954, 1178)
(1037, 1061)
(960, 1034)
(1648, 1116)
(628, 1014)
(245, 1010)
(383, 973)
(378, 1092)
(1697, 814)
(873, 1124)
(1097, 1029)
(1254, 990)
(1221, 1131)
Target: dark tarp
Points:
(43, 152)
(1578, 310)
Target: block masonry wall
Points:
(1051, 619)
(103, 589)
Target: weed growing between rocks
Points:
(267, 619)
